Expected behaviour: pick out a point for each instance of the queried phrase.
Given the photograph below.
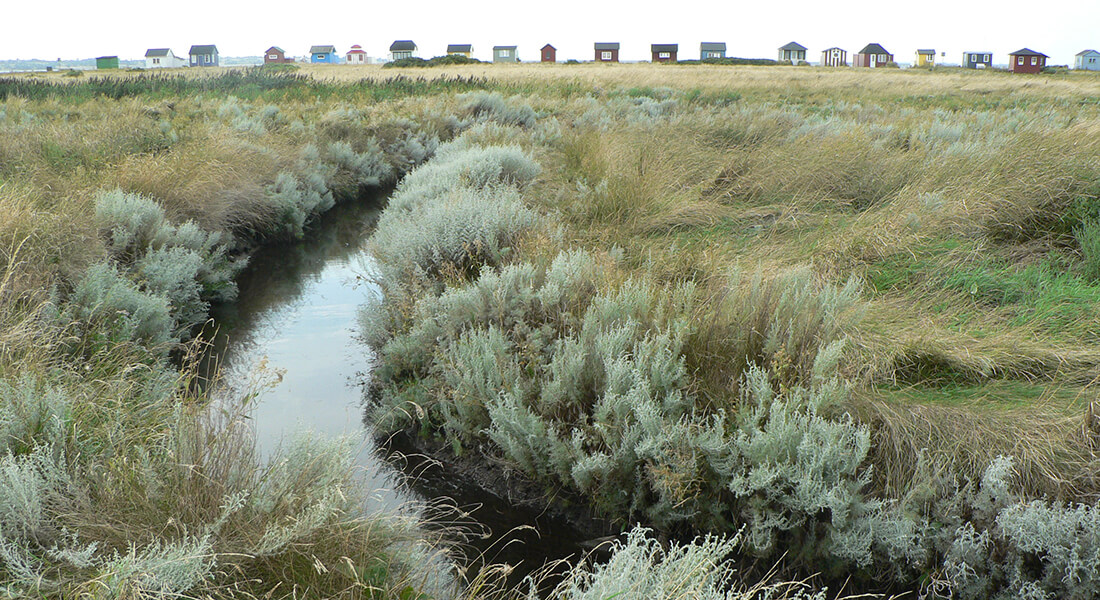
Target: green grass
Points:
(993, 395)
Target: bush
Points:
(458, 234)
(184, 264)
(491, 106)
(109, 308)
(128, 222)
(295, 202)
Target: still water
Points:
(294, 323)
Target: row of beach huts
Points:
(872, 55)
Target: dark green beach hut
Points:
(106, 62)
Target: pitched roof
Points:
(495, 48)
(664, 47)
(357, 49)
(460, 47)
(607, 45)
(793, 46)
(548, 46)
(978, 52)
(1086, 52)
(713, 46)
(204, 49)
(1027, 52)
(834, 48)
(873, 49)
(403, 45)
(277, 49)
(151, 52)
(926, 51)
(321, 49)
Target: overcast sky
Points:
(71, 29)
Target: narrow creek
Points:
(295, 319)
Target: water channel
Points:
(295, 320)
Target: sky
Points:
(73, 29)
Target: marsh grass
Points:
(964, 202)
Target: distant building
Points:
(1087, 60)
(324, 55)
(356, 56)
(505, 54)
(162, 58)
(872, 55)
(276, 56)
(549, 54)
(793, 52)
(834, 57)
(402, 49)
(106, 62)
(607, 52)
(466, 50)
(712, 50)
(1027, 60)
(978, 60)
(664, 52)
(204, 56)
(925, 58)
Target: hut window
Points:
(664, 55)
(606, 55)
(1034, 60)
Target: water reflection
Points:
(293, 323)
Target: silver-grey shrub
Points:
(368, 168)
(183, 263)
(109, 307)
(127, 222)
(642, 567)
(491, 106)
(1004, 546)
(462, 230)
(450, 217)
(294, 201)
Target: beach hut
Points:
(834, 57)
(402, 49)
(505, 54)
(977, 60)
(792, 52)
(276, 56)
(204, 56)
(1087, 60)
(664, 52)
(460, 49)
(872, 55)
(712, 50)
(162, 58)
(1026, 60)
(607, 52)
(356, 56)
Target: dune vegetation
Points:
(840, 322)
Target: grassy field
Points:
(699, 296)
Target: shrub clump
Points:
(491, 106)
(183, 264)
